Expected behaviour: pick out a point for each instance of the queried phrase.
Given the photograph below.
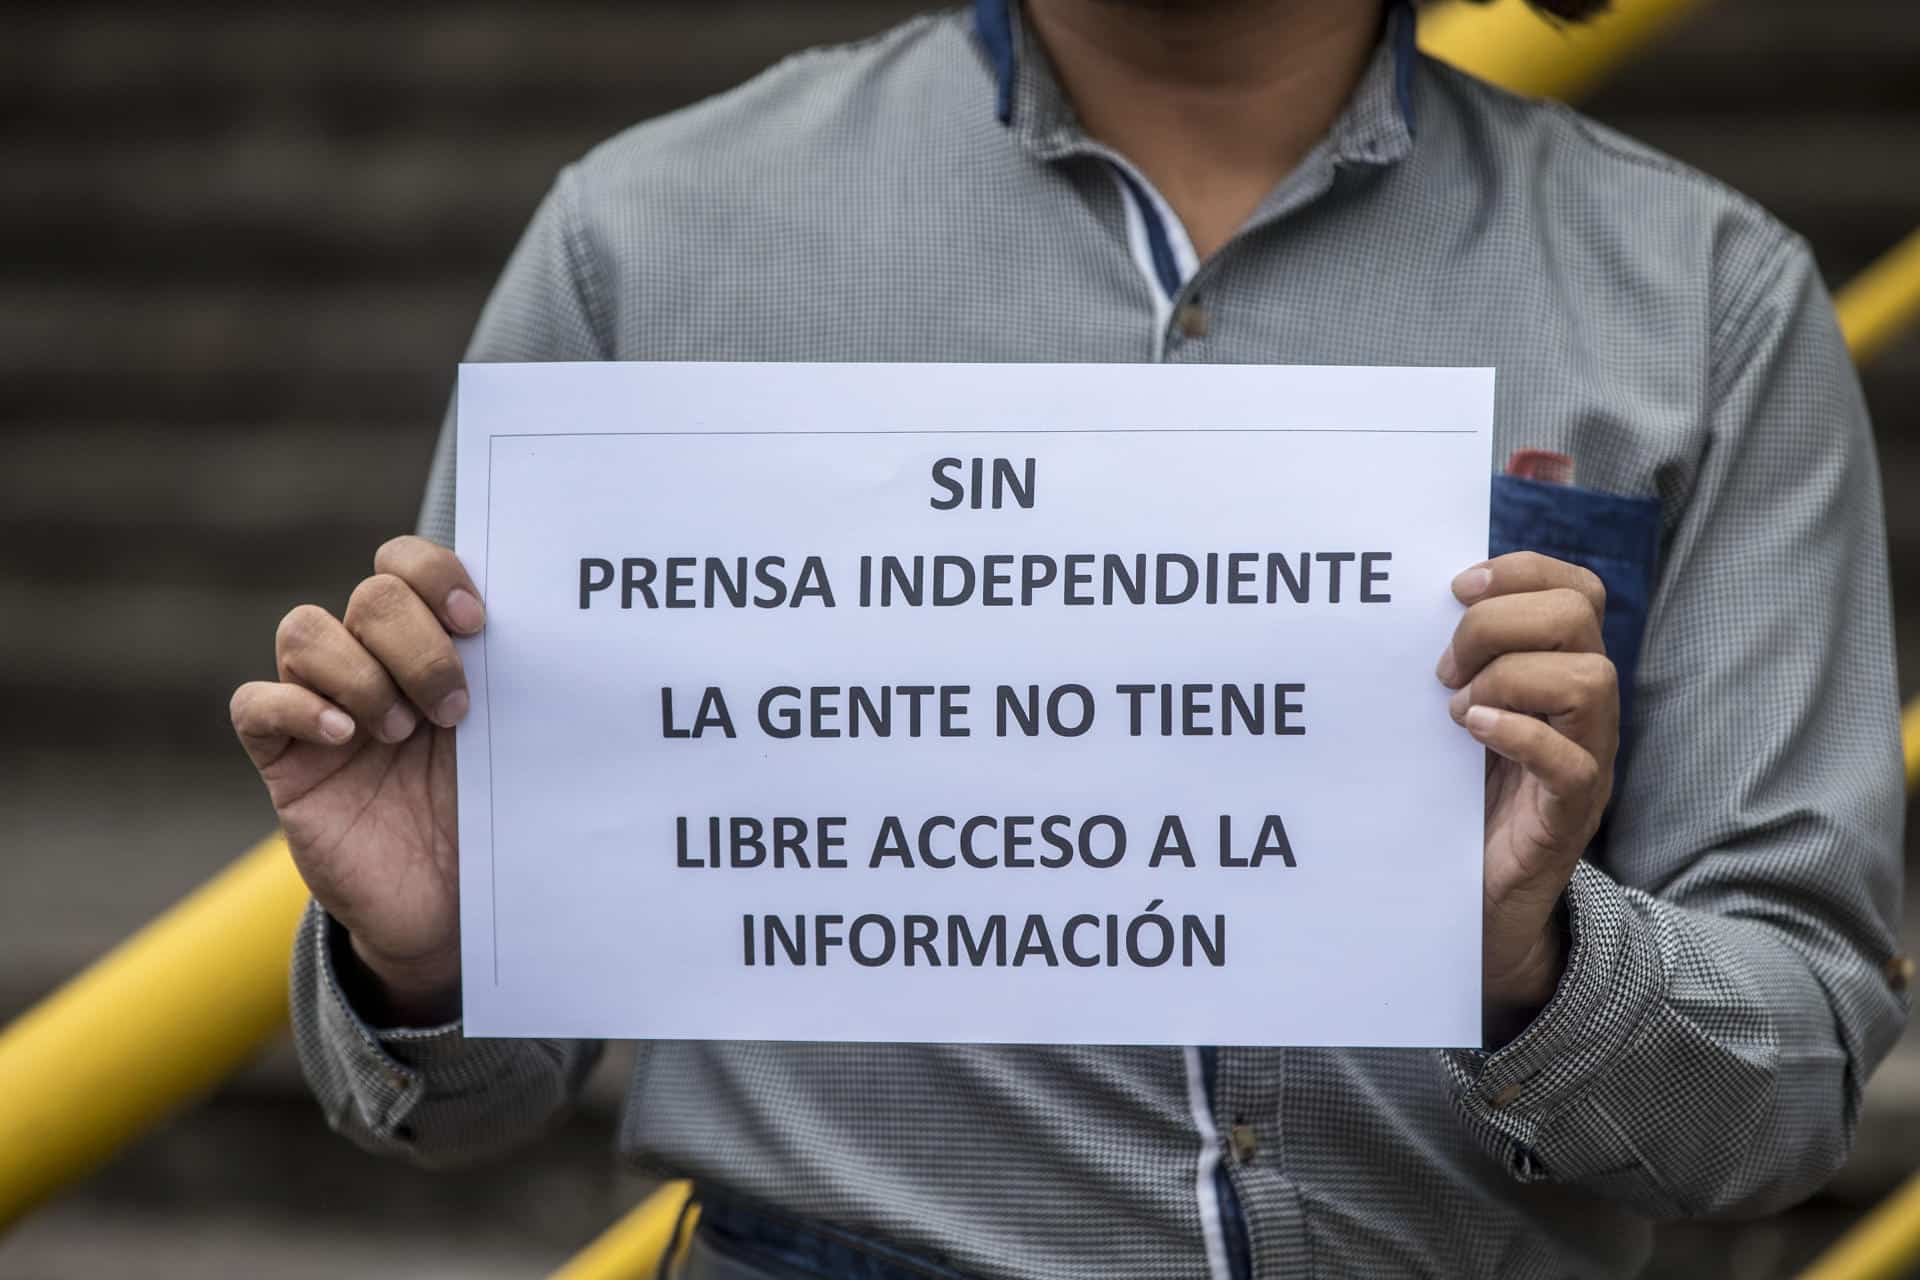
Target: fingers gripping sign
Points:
(355, 744)
(1532, 682)
(437, 578)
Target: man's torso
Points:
(867, 204)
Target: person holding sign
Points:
(1679, 666)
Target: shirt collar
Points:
(1375, 128)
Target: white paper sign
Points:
(1017, 703)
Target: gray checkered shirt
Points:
(927, 196)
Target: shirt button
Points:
(1246, 1143)
(1192, 319)
(1505, 1097)
(1900, 972)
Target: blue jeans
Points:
(738, 1241)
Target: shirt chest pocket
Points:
(1616, 536)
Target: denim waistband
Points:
(786, 1248)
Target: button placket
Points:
(1251, 1117)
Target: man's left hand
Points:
(1533, 683)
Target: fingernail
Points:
(465, 611)
(1457, 705)
(1473, 584)
(1482, 719)
(336, 726)
(1447, 669)
(398, 724)
(451, 708)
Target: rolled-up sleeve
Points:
(1728, 991)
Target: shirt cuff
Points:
(390, 1070)
(1519, 1099)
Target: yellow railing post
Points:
(632, 1246)
(1882, 302)
(1509, 43)
(164, 1016)
(1884, 1245)
(1910, 743)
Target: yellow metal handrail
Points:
(1910, 743)
(161, 1018)
(1882, 302)
(1884, 1245)
(1509, 44)
(634, 1245)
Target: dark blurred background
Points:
(241, 247)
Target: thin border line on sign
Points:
(493, 879)
(486, 659)
(1024, 431)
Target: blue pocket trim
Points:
(1616, 536)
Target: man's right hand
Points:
(355, 744)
